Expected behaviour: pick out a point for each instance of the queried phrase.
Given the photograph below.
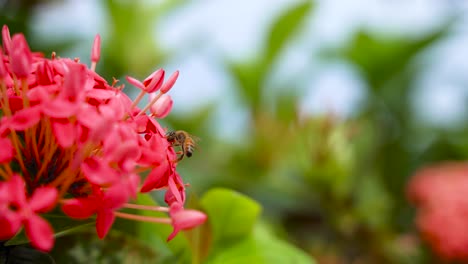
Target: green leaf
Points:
(381, 58)
(231, 214)
(249, 77)
(260, 247)
(251, 74)
(62, 225)
(284, 28)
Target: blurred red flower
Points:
(439, 194)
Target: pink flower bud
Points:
(135, 82)
(170, 82)
(74, 81)
(154, 81)
(96, 52)
(184, 219)
(6, 39)
(21, 56)
(162, 107)
(44, 73)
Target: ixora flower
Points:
(69, 139)
(439, 193)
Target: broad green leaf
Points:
(284, 28)
(260, 248)
(231, 214)
(62, 225)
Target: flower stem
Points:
(150, 104)
(160, 220)
(147, 207)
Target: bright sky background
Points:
(334, 86)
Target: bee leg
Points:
(179, 158)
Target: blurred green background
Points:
(319, 111)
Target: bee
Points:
(183, 139)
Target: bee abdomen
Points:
(189, 151)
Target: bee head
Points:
(171, 135)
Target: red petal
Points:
(65, 133)
(16, 188)
(115, 197)
(80, 208)
(39, 232)
(6, 151)
(25, 118)
(16, 103)
(104, 221)
(157, 178)
(97, 172)
(60, 108)
(43, 199)
(128, 150)
(173, 234)
(172, 194)
(10, 223)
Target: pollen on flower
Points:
(71, 139)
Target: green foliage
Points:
(225, 210)
(258, 249)
(333, 187)
(24, 254)
(284, 29)
(251, 75)
(381, 58)
(62, 225)
(248, 242)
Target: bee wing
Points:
(196, 140)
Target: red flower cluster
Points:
(68, 137)
(439, 193)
